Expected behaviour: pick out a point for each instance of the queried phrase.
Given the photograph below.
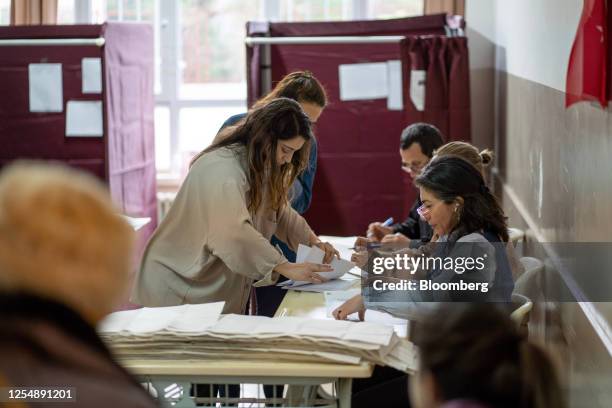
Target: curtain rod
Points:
(378, 39)
(99, 42)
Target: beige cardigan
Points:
(209, 248)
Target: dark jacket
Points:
(45, 344)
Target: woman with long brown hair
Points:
(214, 243)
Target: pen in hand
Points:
(388, 222)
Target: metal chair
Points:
(528, 283)
(515, 235)
(521, 311)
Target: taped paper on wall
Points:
(394, 74)
(84, 118)
(363, 81)
(91, 70)
(46, 89)
(418, 80)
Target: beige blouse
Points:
(209, 247)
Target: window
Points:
(65, 12)
(384, 9)
(5, 12)
(305, 10)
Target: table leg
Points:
(344, 387)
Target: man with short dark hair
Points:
(418, 143)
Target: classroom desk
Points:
(303, 377)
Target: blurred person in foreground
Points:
(474, 356)
(65, 257)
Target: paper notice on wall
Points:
(91, 72)
(46, 91)
(363, 81)
(417, 88)
(394, 75)
(84, 118)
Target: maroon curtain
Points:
(129, 103)
(358, 178)
(447, 86)
(124, 156)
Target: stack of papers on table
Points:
(200, 332)
(316, 255)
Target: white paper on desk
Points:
(363, 81)
(332, 285)
(333, 299)
(118, 321)
(153, 319)
(184, 318)
(418, 80)
(91, 73)
(395, 99)
(46, 89)
(197, 318)
(84, 118)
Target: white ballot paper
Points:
(184, 318)
(46, 90)
(84, 118)
(316, 255)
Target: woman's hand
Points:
(361, 243)
(360, 258)
(376, 231)
(397, 238)
(306, 271)
(354, 304)
(329, 250)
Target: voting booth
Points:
(380, 76)
(83, 95)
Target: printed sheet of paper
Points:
(84, 118)
(46, 87)
(395, 100)
(91, 71)
(418, 80)
(363, 81)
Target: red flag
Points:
(587, 68)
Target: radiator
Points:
(164, 202)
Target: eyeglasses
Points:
(423, 210)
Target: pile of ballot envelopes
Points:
(201, 332)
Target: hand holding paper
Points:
(315, 255)
(328, 249)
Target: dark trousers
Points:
(268, 300)
(387, 387)
(203, 391)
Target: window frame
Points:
(167, 31)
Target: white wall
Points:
(533, 37)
